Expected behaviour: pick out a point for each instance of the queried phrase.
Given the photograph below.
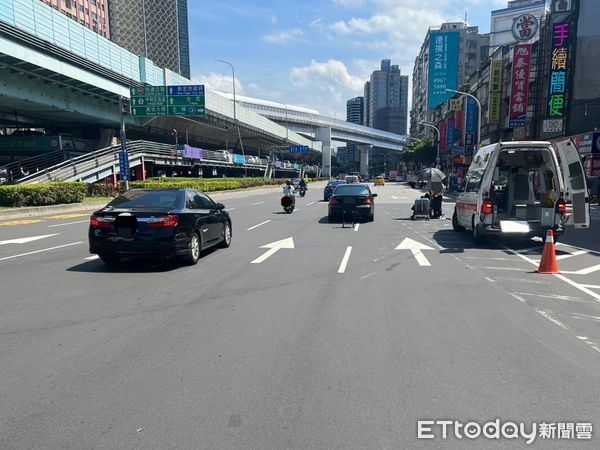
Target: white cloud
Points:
(283, 37)
(274, 19)
(219, 82)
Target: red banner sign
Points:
(443, 136)
(520, 85)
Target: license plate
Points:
(514, 226)
(125, 233)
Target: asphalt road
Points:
(342, 342)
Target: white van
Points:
(523, 188)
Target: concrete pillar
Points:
(364, 158)
(324, 135)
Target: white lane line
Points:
(256, 226)
(486, 257)
(591, 286)
(311, 203)
(491, 280)
(570, 255)
(68, 223)
(367, 276)
(552, 319)
(356, 225)
(40, 251)
(520, 280)
(584, 271)
(92, 258)
(388, 213)
(257, 203)
(27, 239)
(504, 268)
(518, 297)
(345, 259)
(559, 276)
(552, 296)
(229, 209)
(586, 317)
(583, 338)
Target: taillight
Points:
(561, 207)
(333, 200)
(367, 201)
(101, 222)
(487, 207)
(169, 221)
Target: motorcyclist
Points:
(302, 184)
(289, 191)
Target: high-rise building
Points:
(461, 50)
(386, 99)
(93, 13)
(157, 29)
(355, 110)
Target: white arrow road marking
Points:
(40, 251)
(415, 247)
(345, 260)
(274, 247)
(256, 226)
(27, 239)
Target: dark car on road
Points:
(328, 191)
(159, 223)
(351, 202)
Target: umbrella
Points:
(431, 174)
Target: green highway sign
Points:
(150, 101)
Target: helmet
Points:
(288, 181)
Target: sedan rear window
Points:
(352, 190)
(145, 199)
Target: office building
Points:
(455, 50)
(157, 29)
(386, 99)
(92, 13)
(355, 110)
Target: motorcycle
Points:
(302, 191)
(288, 203)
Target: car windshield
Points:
(145, 199)
(352, 190)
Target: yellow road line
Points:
(14, 223)
(69, 216)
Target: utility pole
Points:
(123, 155)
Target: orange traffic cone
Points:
(548, 264)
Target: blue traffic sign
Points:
(186, 90)
(124, 165)
(299, 149)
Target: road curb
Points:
(37, 211)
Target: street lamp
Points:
(416, 139)
(234, 111)
(437, 158)
(478, 112)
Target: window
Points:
(474, 180)
(204, 201)
(191, 201)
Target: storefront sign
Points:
(443, 66)
(443, 126)
(559, 71)
(495, 99)
(520, 85)
(451, 133)
(470, 124)
(525, 27)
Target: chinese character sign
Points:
(443, 66)
(451, 133)
(525, 27)
(443, 135)
(495, 100)
(557, 89)
(520, 85)
(470, 123)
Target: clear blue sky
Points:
(314, 53)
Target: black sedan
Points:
(163, 223)
(352, 202)
(328, 191)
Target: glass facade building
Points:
(156, 29)
(92, 14)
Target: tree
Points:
(423, 152)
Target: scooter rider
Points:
(289, 191)
(302, 184)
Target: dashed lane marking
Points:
(229, 209)
(547, 315)
(14, 223)
(257, 203)
(67, 223)
(356, 225)
(256, 226)
(311, 203)
(40, 251)
(552, 296)
(345, 260)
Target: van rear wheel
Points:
(455, 224)
(478, 238)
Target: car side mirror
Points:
(220, 206)
(374, 195)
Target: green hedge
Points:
(205, 185)
(101, 190)
(42, 194)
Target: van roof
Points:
(480, 162)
